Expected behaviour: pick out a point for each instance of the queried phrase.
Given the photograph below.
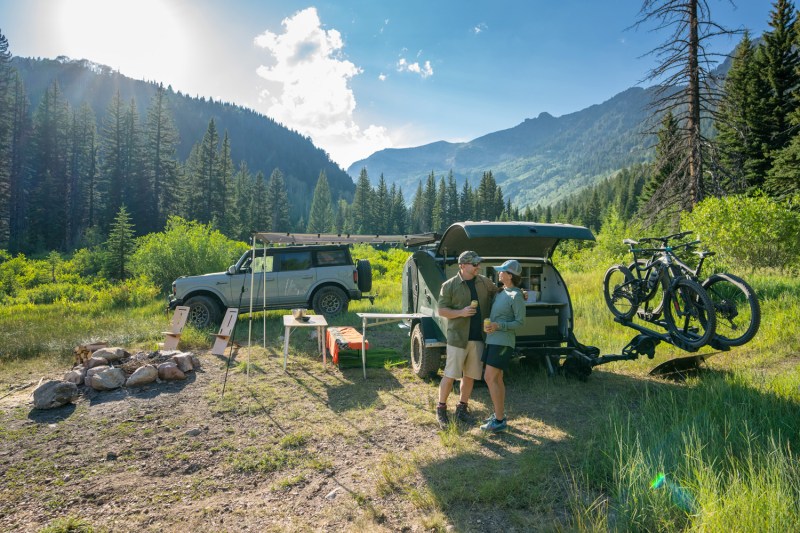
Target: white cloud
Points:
(480, 28)
(425, 70)
(307, 88)
(382, 76)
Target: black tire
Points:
(652, 306)
(204, 312)
(737, 308)
(364, 270)
(689, 314)
(330, 301)
(425, 362)
(619, 290)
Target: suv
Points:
(321, 277)
(548, 331)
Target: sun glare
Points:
(143, 39)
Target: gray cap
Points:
(511, 266)
(469, 257)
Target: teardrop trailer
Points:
(548, 333)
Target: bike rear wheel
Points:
(652, 304)
(619, 290)
(689, 313)
(736, 306)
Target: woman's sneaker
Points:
(494, 425)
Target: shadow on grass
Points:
(51, 416)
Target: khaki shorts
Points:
(464, 362)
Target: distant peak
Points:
(544, 115)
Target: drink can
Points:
(486, 323)
(473, 303)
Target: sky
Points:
(358, 76)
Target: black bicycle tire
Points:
(752, 300)
(680, 334)
(630, 296)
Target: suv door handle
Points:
(222, 283)
(306, 277)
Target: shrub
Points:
(184, 248)
(748, 232)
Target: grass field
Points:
(625, 451)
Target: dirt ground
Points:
(310, 448)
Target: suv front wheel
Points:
(203, 312)
(330, 301)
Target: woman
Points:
(508, 313)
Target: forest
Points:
(66, 175)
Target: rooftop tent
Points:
(495, 239)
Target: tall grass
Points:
(715, 455)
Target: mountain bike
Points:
(689, 313)
(735, 303)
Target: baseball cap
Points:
(469, 257)
(511, 266)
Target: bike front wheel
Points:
(619, 289)
(736, 306)
(689, 313)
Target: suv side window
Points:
(287, 262)
(259, 266)
(332, 258)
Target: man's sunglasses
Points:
(476, 264)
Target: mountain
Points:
(536, 162)
(259, 141)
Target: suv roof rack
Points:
(344, 238)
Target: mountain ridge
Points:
(539, 160)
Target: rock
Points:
(195, 362)
(111, 354)
(76, 376)
(96, 361)
(54, 393)
(91, 372)
(108, 379)
(142, 376)
(184, 361)
(169, 371)
(193, 432)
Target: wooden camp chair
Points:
(173, 336)
(225, 332)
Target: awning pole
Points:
(250, 321)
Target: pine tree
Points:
(49, 178)
(320, 218)
(112, 161)
(225, 172)
(120, 245)
(259, 217)
(82, 173)
(161, 164)
(381, 208)
(277, 203)
(361, 209)
(778, 64)
(742, 122)
(242, 192)
(417, 206)
(6, 141)
(21, 130)
(399, 213)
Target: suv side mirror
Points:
(231, 269)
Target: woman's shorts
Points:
(498, 356)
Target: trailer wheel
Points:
(424, 361)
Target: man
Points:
(464, 332)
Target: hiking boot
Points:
(441, 416)
(462, 415)
(495, 425)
